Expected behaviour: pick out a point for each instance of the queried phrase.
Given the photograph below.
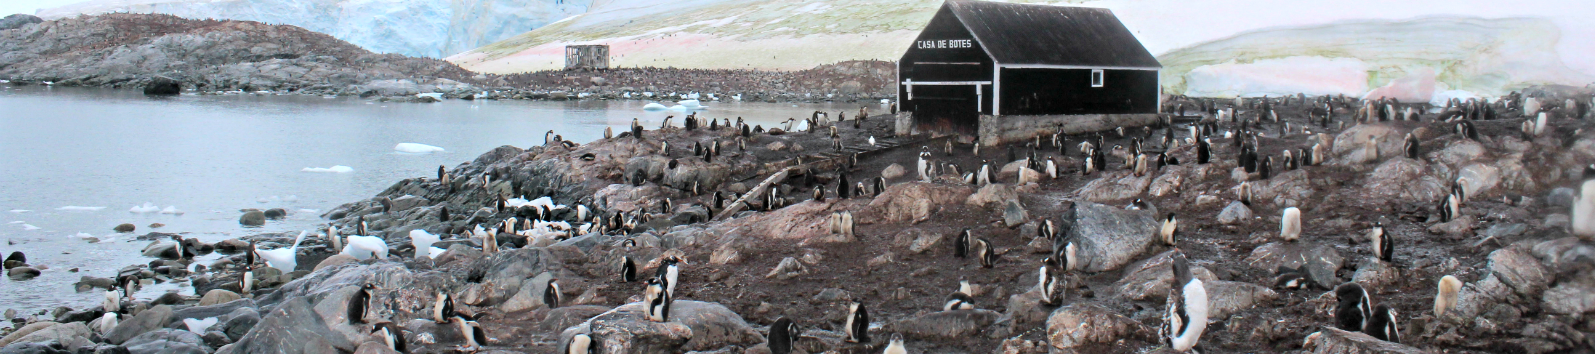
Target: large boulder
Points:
(1335, 341)
(35, 348)
(911, 202)
(1235, 213)
(1107, 237)
(18, 20)
(565, 316)
(1229, 297)
(1289, 188)
(1402, 178)
(1083, 324)
(25, 331)
(1114, 186)
(252, 218)
(148, 320)
(1320, 260)
(995, 193)
(693, 326)
(1150, 279)
(167, 340)
(293, 327)
(1352, 140)
(945, 325)
(217, 296)
(72, 335)
(530, 295)
(1458, 152)
(1519, 270)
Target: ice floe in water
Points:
(17, 222)
(144, 209)
(29, 227)
(333, 169)
(171, 209)
(80, 208)
(653, 107)
(415, 148)
(19, 211)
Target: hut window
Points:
(1096, 77)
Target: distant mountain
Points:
(722, 34)
(421, 28)
(1482, 56)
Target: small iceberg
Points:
(415, 148)
(29, 227)
(80, 208)
(19, 211)
(678, 108)
(438, 96)
(171, 210)
(17, 222)
(693, 105)
(653, 107)
(333, 169)
(365, 247)
(144, 209)
(422, 239)
(198, 325)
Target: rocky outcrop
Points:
(1109, 237)
(16, 21)
(693, 326)
(1319, 260)
(137, 49)
(1335, 341)
(1082, 324)
(911, 202)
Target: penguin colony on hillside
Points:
(1145, 153)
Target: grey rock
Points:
(167, 340)
(1519, 270)
(893, 171)
(1563, 252)
(585, 243)
(35, 348)
(1320, 260)
(252, 218)
(18, 20)
(217, 310)
(71, 335)
(239, 322)
(1460, 226)
(1235, 213)
(563, 317)
(1375, 274)
(162, 86)
(832, 295)
(787, 269)
(1083, 324)
(995, 193)
(693, 326)
(408, 202)
(79, 315)
(1229, 297)
(293, 327)
(1561, 197)
(24, 331)
(1150, 279)
(1501, 231)
(216, 339)
(1014, 214)
(1557, 221)
(148, 320)
(529, 296)
(1107, 237)
(1575, 297)
(102, 349)
(275, 213)
(22, 273)
(1335, 341)
(88, 282)
(943, 325)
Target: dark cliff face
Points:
(122, 49)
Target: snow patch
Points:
(416, 148)
(29, 227)
(80, 208)
(653, 106)
(144, 209)
(19, 211)
(333, 169)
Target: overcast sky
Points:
(8, 7)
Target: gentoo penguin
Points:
(878, 187)
(1248, 159)
(443, 174)
(1465, 129)
(843, 190)
(108, 322)
(1290, 160)
(582, 343)
(1187, 314)
(1047, 230)
(1383, 324)
(1317, 155)
(1451, 206)
(1048, 284)
(472, 331)
(443, 308)
(670, 272)
(1052, 168)
(443, 214)
(360, 225)
(961, 244)
(1290, 224)
(1353, 310)
(657, 300)
(359, 302)
(1411, 147)
(783, 336)
(1292, 278)
(924, 160)
(609, 133)
(1203, 151)
(857, 326)
(1584, 208)
(548, 138)
(392, 336)
(986, 252)
(246, 281)
(552, 294)
(1446, 298)
(984, 176)
(1383, 248)
(1265, 167)
(332, 238)
(958, 301)
(1171, 225)
(636, 129)
(1243, 193)
(628, 269)
(1090, 162)
(896, 345)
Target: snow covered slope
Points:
(1409, 60)
(425, 28)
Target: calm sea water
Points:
(77, 161)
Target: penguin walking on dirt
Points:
(783, 336)
(657, 299)
(1383, 248)
(1353, 308)
(359, 303)
(1383, 324)
(857, 326)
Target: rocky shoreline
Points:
(1526, 279)
(143, 51)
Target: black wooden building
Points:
(1015, 61)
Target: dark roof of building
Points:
(1055, 35)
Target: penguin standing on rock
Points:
(392, 336)
(582, 343)
(985, 252)
(359, 302)
(1383, 324)
(1048, 284)
(552, 294)
(1290, 224)
(1411, 147)
(657, 299)
(636, 129)
(443, 308)
(857, 323)
(1187, 315)
(961, 244)
(472, 331)
(628, 269)
(1353, 309)
(1171, 224)
(896, 345)
(1446, 298)
(670, 272)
